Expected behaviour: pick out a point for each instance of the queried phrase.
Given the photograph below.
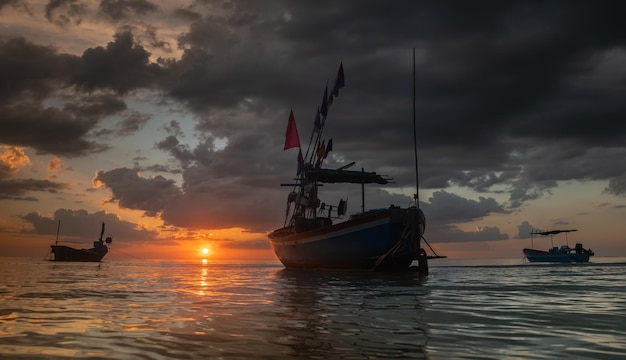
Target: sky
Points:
(166, 120)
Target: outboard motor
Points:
(579, 248)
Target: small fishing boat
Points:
(319, 236)
(563, 254)
(66, 253)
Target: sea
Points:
(148, 309)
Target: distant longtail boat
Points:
(66, 253)
(563, 254)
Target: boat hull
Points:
(66, 253)
(543, 256)
(368, 242)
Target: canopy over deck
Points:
(345, 176)
(551, 232)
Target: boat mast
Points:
(422, 259)
(417, 204)
(56, 242)
(102, 232)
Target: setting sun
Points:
(205, 251)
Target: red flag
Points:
(291, 135)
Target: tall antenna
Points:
(58, 228)
(417, 203)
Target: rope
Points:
(409, 227)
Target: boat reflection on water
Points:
(330, 314)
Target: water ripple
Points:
(152, 310)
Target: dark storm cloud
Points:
(492, 78)
(209, 201)
(196, 81)
(511, 98)
(32, 73)
(448, 207)
(222, 64)
(53, 130)
(65, 12)
(129, 125)
(30, 125)
(5, 3)
(131, 191)
(15, 189)
(187, 14)
(118, 10)
(178, 151)
(121, 66)
(617, 186)
(486, 72)
(85, 226)
(30, 70)
(96, 106)
(153, 40)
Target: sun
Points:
(205, 251)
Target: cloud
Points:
(66, 127)
(11, 159)
(7, 3)
(524, 230)
(118, 10)
(511, 99)
(451, 234)
(31, 71)
(130, 123)
(55, 167)
(617, 186)
(257, 244)
(86, 227)
(17, 188)
(65, 12)
(131, 191)
(206, 203)
(445, 207)
(58, 131)
(121, 66)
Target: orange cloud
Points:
(11, 159)
(55, 164)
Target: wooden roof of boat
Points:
(551, 232)
(345, 176)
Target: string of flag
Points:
(322, 149)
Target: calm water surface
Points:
(154, 310)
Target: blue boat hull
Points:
(544, 256)
(357, 244)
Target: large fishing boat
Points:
(563, 254)
(319, 236)
(94, 254)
